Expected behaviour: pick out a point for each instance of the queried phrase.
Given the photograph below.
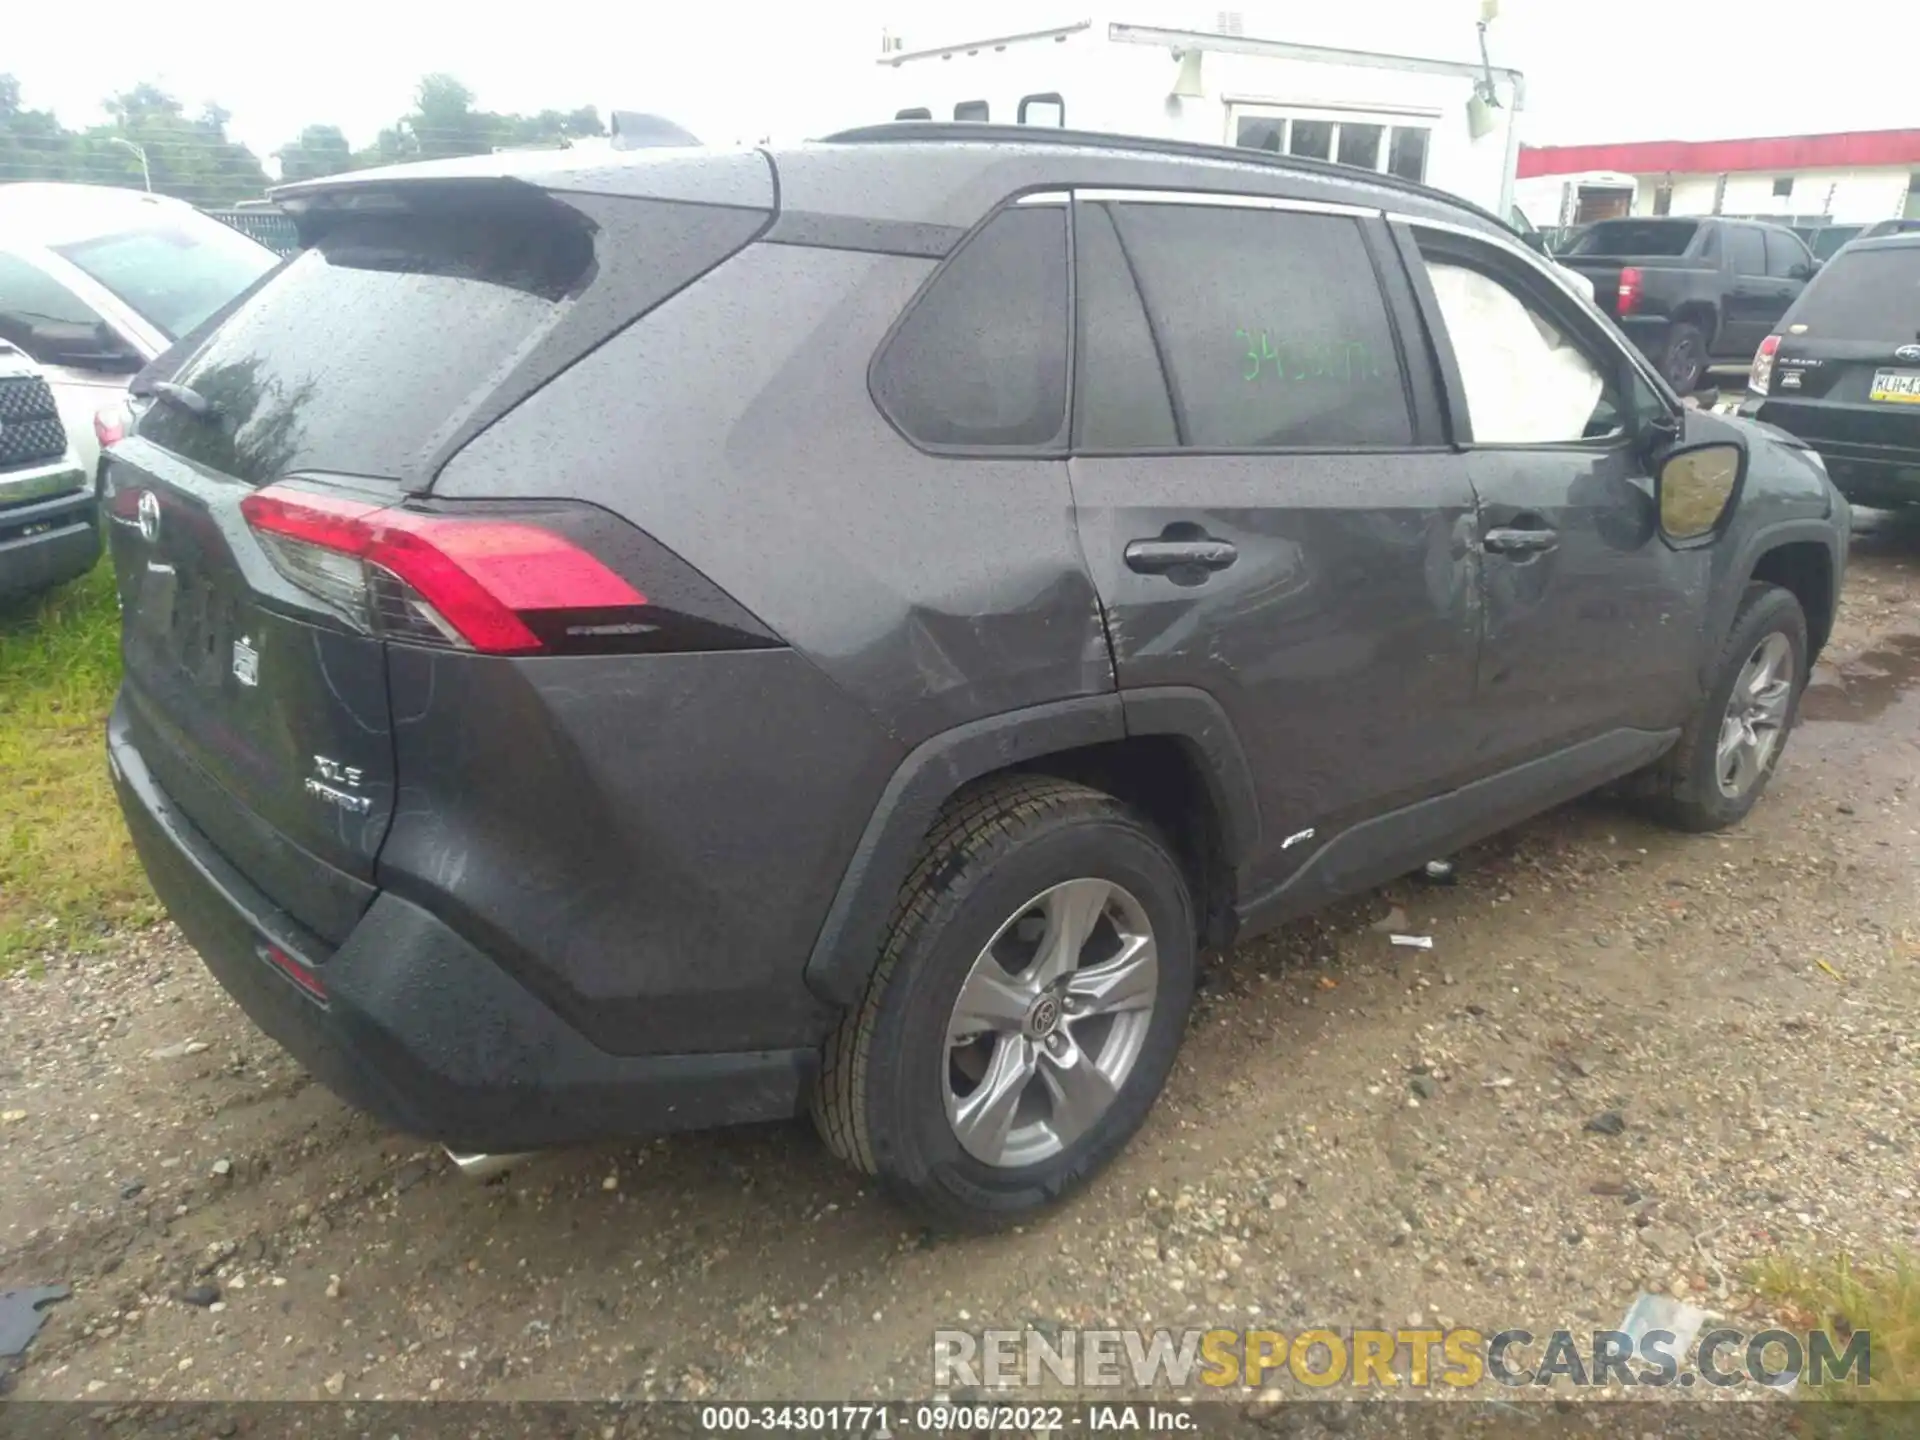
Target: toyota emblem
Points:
(149, 516)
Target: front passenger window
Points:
(1525, 382)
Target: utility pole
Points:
(140, 152)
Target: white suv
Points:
(95, 282)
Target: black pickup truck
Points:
(1692, 292)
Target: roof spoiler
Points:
(636, 130)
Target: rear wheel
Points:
(1030, 997)
(1729, 748)
(1683, 359)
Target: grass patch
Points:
(67, 869)
(1842, 1298)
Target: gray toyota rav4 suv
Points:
(622, 644)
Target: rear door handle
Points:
(1158, 557)
(1521, 542)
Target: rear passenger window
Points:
(1270, 325)
(1787, 258)
(1746, 253)
(981, 358)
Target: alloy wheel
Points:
(1049, 1023)
(1756, 716)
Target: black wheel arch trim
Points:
(1195, 718)
(1753, 548)
(848, 944)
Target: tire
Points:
(1683, 358)
(1686, 787)
(887, 1092)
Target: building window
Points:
(1260, 132)
(970, 110)
(1311, 140)
(1783, 187)
(1360, 145)
(1046, 108)
(1663, 199)
(1407, 154)
(1374, 144)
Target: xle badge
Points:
(336, 783)
(246, 661)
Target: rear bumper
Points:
(47, 542)
(421, 1029)
(1867, 474)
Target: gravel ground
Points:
(1356, 1134)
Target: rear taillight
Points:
(1761, 376)
(111, 423)
(497, 583)
(1629, 289)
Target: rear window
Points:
(176, 274)
(1635, 237)
(1864, 295)
(353, 357)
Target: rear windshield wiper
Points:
(184, 396)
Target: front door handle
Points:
(1521, 542)
(1160, 557)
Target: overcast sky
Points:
(1618, 70)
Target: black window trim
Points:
(1042, 97)
(1565, 307)
(1426, 435)
(1059, 446)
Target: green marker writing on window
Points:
(1345, 361)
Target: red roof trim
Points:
(1713, 157)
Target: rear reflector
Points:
(1629, 289)
(298, 973)
(481, 582)
(1760, 377)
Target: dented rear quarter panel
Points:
(933, 590)
(678, 825)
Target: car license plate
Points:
(1902, 387)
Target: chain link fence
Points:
(271, 228)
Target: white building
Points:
(1450, 120)
(1843, 179)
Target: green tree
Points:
(320, 150)
(444, 122)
